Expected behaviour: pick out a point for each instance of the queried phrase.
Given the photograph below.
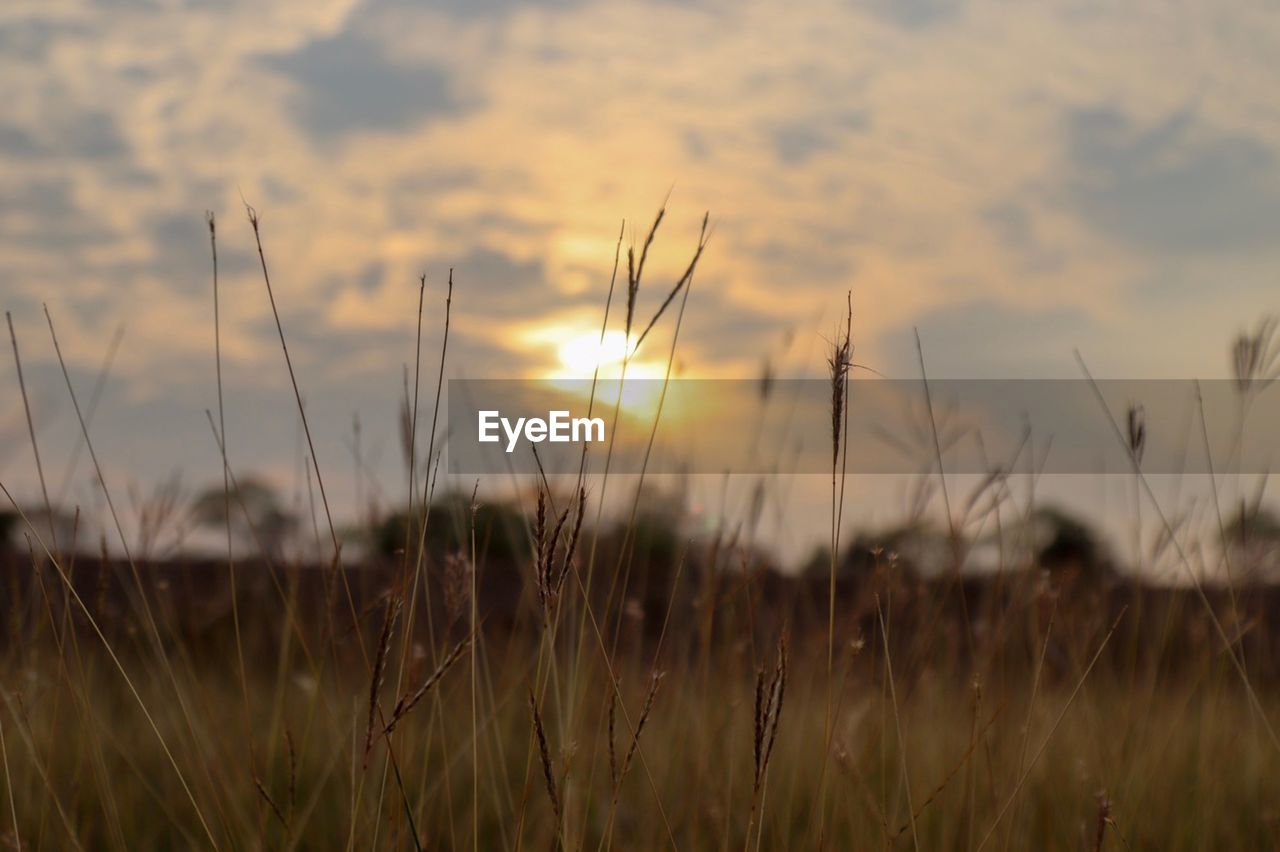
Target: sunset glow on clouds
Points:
(1013, 179)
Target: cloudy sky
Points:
(1014, 179)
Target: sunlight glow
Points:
(581, 353)
(584, 352)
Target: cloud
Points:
(473, 8)
(720, 329)
(928, 154)
(1015, 224)
(490, 283)
(346, 85)
(796, 143)
(88, 135)
(17, 143)
(29, 39)
(42, 214)
(91, 135)
(179, 243)
(1176, 186)
(913, 14)
(987, 339)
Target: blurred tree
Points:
(501, 535)
(8, 523)
(258, 521)
(915, 546)
(1066, 543)
(1251, 540)
(57, 530)
(1058, 541)
(817, 563)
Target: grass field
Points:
(545, 676)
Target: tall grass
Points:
(586, 686)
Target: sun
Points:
(581, 354)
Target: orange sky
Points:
(1014, 179)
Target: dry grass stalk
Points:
(293, 770)
(838, 363)
(430, 477)
(1255, 358)
(540, 548)
(548, 558)
(1137, 431)
(1100, 825)
(271, 803)
(149, 620)
(976, 738)
(255, 223)
(1186, 563)
(768, 710)
(681, 282)
(405, 424)
(613, 753)
(31, 429)
(1025, 773)
(618, 769)
(226, 473)
(408, 702)
(394, 601)
(654, 681)
(544, 754)
(457, 588)
(572, 547)
(550, 572)
(540, 524)
(636, 270)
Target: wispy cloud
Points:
(1050, 166)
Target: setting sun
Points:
(585, 352)
(521, 399)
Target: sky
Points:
(1014, 180)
